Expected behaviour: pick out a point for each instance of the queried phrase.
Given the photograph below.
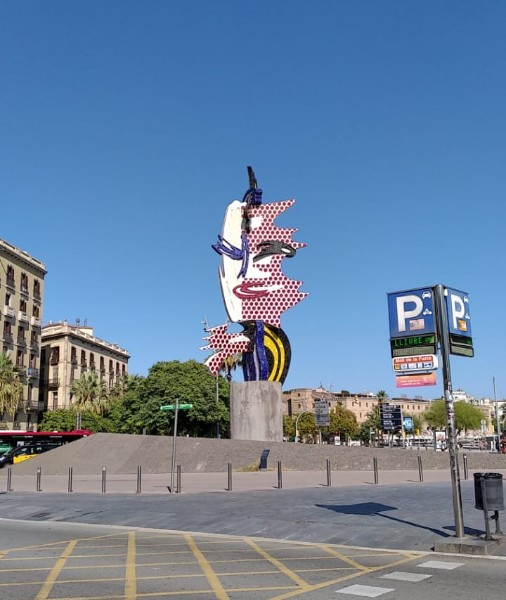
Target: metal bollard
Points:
(104, 478)
(280, 476)
(39, 477)
(139, 475)
(71, 477)
(329, 473)
(178, 480)
(229, 473)
(375, 468)
(9, 479)
(420, 469)
(464, 458)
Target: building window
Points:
(22, 306)
(34, 340)
(92, 361)
(33, 361)
(10, 276)
(30, 391)
(55, 355)
(73, 356)
(24, 283)
(36, 311)
(19, 358)
(36, 289)
(83, 359)
(55, 400)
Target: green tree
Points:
(343, 422)
(189, 382)
(435, 415)
(11, 389)
(307, 427)
(288, 427)
(89, 394)
(64, 419)
(373, 422)
(467, 416)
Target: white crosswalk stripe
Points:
(439, 564)
(404, 576)
(367, 591)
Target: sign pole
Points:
(174, 436)
(443, 332)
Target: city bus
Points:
(13, 439)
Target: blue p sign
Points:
(457, 307)
(411, 313)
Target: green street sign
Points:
(173, 407)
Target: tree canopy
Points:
(11, 389)
(467, 416)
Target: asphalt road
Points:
(315, 544)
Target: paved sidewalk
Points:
(212, 482)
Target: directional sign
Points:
(390, 417)
(411, 313)
(407, 423)
(321, 411)
(173, 407)
(416, 363)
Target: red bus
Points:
(13, 439)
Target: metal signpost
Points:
(420, 320)
(175, 407)
(321, 410)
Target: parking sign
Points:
(411, 313)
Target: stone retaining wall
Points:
(122, 453)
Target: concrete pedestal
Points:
(255, 411)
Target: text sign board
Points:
(416, 363)
(411, 313)
(390, 417)
(321, 411)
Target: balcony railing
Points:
(7, 337)
(9, 282)
(35, 321)
(9, 311)
(22, 316)
(32, 372)
(36, 294)
(24, 289)
(21, 340)
(53, 382)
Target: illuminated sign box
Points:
(413, 345)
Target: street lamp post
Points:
(498, 421)
(297, 425)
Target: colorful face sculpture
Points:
(255, 290)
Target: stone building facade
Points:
(21, 305)
(68, 351)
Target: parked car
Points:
(21, 453)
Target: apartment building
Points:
(21, 303)
(68, 351)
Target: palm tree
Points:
(11, 389)
(89, 394)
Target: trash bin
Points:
(492, 488)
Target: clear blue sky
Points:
(126, 128)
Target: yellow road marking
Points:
(46, 588)
(283, 568)
(343, 557)
(212, 578)
(130, 570)
(328, 583)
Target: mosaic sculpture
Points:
(255, 290)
